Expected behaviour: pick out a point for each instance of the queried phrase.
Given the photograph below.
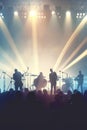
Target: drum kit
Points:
(68, 84)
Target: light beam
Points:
(12, 45)
(70, 41)
(74, 53)
(35, 45)
(76, 60)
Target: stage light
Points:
(77, 14)
(84, 14)
(68, 13)
(33, 13)
(1, 15)
(53, 12)
(15, 13)
(68, 20)
(80, 14)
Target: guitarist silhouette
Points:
(17, 76)
(79, 79)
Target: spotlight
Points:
(53, 12)
(68, 13)
(15, 13)
(77, 14)
(80, 14)
(1, 15)
(83, 14)
(33, 13)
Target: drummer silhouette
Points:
(40, 81)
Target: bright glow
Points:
(77, 14)
(68, 18)
(69, 42)
(80, 14)
(74, 53)
(25, 17)
(53, 12)
(1, 15)
(68, 13)
(15, 13)
(33, 13)
(76, 60)
(84, 14)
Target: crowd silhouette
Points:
(39, 110)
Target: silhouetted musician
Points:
(40, 81)
(53, 80)
(79, 79)
(17, 76)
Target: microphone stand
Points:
(4, 81)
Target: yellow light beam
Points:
(74, 53)
(12, 44)
(35, 45)
(76, 60)
(69, 42)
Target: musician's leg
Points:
(81, 88)
(54, 89)
(78, 87)
(51, 89)
(21, 88)
(16, 87)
